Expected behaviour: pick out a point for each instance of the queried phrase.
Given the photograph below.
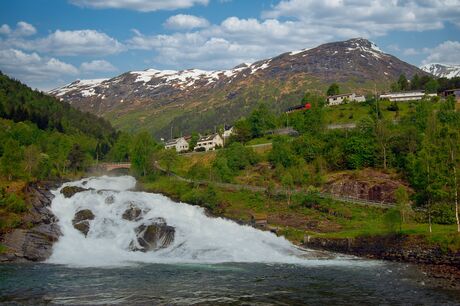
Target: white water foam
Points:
(198, 238)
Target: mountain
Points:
(198, 100)
(442, 71)
(20, 103)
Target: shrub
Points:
(442, 213)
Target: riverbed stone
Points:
(81, 221)
(153, 236)
(133, 213)
(110, 199)
(69, 191)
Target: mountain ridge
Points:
(198, 100)
(442, 70)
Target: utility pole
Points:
(171, 132)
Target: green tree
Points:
(403, 205)
(391, 220)
(261, 120)
(142, 149)
(10, 162)
(432, 86)
(333, 90)
(32, 157)
(288, 184)
(76, 158)
(242, 131)
(193, 140)
(168, 158)
(281, 153)
(121, 149)
(403, 84)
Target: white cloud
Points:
(32, 68)
(81, 42)
(370, 18)
(410, 51)
(24, 29)
(97, 66)
(294, 24)
(187, 22)
(5, 29)
(140, 5)
(447, 52)
(232, 42)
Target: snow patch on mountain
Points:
(441, 70)
(85, 86)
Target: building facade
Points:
(179, 144)
(405, 96)
(209, 143)
(340, 99)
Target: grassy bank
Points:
(303, 214)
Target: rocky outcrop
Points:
(33, 242)
(434, 260)
(367, 184)
(133, 213)
(81, 221)
(69, 191)
(153, 236)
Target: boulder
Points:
(153, 236)
(69, 191)
(81, 220)
(133, 213)
(110, 199)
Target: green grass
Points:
(353, 112)
(341, 220)
(261, 140)
(3, 249)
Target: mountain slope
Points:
(442, 71)
(20, 103)
(198, 100)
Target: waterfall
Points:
(111, 238)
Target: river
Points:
(208, 261)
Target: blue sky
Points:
(48, 43)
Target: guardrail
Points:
(325, 195)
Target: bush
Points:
(392, 219)
(12, 202)
(205, 198)
(442, 213)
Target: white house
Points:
(209, 142)
(339, 99)
(405, 95)
(228, 131)
(180, 144)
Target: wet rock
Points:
(81, 220)
(154, 236)
(34, 241)
(69, 191)
(133, 213)
(110, 200)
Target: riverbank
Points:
(442, 265)
(347, 228)
(33, 239)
